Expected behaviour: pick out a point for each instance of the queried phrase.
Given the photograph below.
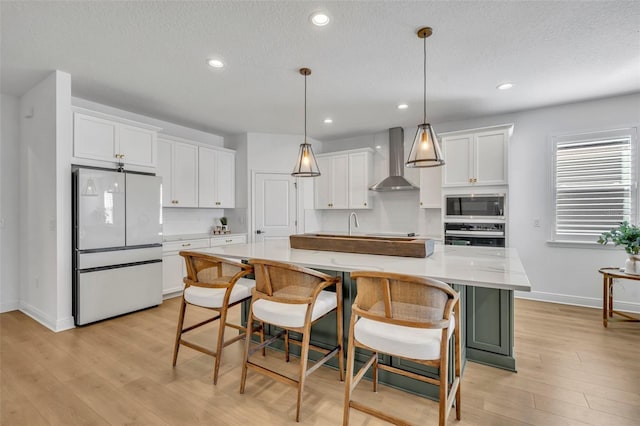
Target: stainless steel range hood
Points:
(396, 180)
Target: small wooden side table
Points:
(609, 275)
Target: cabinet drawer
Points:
(231, 239)
(185, 245)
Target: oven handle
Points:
(497, 234)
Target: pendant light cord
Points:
(424, 73)
(305, 108)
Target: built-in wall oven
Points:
(475, 234)
(475, 206)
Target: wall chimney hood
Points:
(396, 180)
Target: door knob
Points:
(260, 232)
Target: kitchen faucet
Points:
(355, 216)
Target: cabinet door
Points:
(322, 184)
(138, 146)
(207, 165)
(491, 158)
(173, 271)
(457, 152)
(431, 188)
(225, 179)
(359, 180)
(185, 174)
(165, 156)
(489, 319)
(94, 138)
(339, 185)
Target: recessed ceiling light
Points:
(215, 63)
(403, 106)
(504, 86)
(328, 121)
(320, 19)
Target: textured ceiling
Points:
(150, 58)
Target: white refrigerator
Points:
(117, 243)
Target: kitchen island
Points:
(486, 278)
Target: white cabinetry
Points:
(173, 266)
(345, 179)
(476, 157)
(431, 187)
(104, 138)
(216, 178)
(178, 166)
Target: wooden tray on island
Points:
(364, 244)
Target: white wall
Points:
(565, 274)
(45, 201)
(9, 203)
(237, 217)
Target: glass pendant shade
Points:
(306, 165)
(425, 151)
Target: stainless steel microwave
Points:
(475, 206)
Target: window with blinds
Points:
(595, 189)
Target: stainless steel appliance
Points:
(475, 234)
(117, 243)
(395, 181)
(475, 206)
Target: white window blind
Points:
(595, 188)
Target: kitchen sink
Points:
(365, 244)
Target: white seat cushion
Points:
(291, 315)
(213, 297)
(409, 342)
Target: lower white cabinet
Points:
(173, 266)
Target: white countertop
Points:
(475, 266)
(183, 237)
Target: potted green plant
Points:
(628, 236)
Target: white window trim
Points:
(635, 153)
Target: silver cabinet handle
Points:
(186, 244)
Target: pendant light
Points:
(306, 166)
(425, 151)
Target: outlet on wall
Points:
(536, 222)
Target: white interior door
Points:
(275, 205)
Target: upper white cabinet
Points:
(101, 137)
(216, 178)
(178, 166)
(431, 187)
(476, 157)
(194, 175)
(344, 180)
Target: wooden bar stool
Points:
(293, 298)
(217, 284)
(407, 317)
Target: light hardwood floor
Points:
(571, 371)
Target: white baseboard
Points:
(52, 324)
(65, 324)
(12, 305)
(565, 299)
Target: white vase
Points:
(632, 265)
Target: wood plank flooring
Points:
(571, 371)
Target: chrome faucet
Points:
(355, 216)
